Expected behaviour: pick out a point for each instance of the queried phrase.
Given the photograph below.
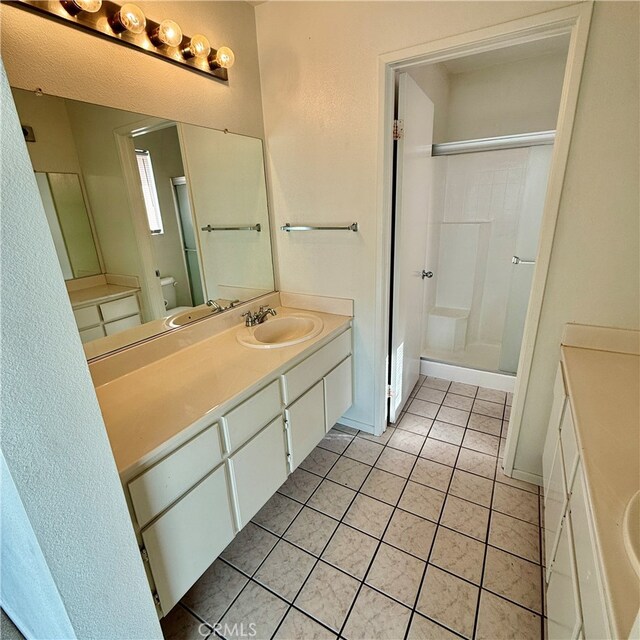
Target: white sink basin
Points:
(631, 531)
(278, 332)
(185, 317)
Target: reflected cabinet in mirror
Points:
(156, 223)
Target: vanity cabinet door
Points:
(555, 504)
(187, 538)
(306, 423)
(338, 392)
(557, 413)
(258, 470)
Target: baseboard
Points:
(354, 424)
(489, 379)
(525, 476)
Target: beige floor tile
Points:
(410, 533)
(491, 395)
(332, 498)
(300, 485)
(482, 442)
(515, 502)
(395, 461)
(285, 569)
(311, 530)
(505, 429)
(449, 600)
(514, 482)
(382, 439)
(453, 416)
(502, 448)
(297, 625)
(439, 451)
(344, 428)
(349, 473)
(475, 462)
(485, 424)
(327, 595)
(336, 441)
(376, 616)
(513, 578)
(423, 408)
(447, 433)
(319, 461)
(466, 517)
(384, 486)
(424, 629)
(471, 487)
(509, 399)
(458, 554)
(515, 536)
(256, 605)
(458, 402)
(396, 573)
(431, 395)
(214, 591)
(406, 441)
(430, 473)
(502, 620)
(277, 514)
(415, 424)
(491, 409)
(368, 515)
(252, 544)
(350, 550)
(436, 383)
(422, 501)
(180, 624)
(463, 389)
(364, 451)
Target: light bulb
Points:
(167, 32)
(74, 7)
(198, 47)
(223, 57)
(129, 18)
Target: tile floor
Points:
(416, 534)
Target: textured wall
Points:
(53, 436)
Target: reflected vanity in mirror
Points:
(156, 224)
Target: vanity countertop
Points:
(604, 389)
(99, 293)
(180, 394)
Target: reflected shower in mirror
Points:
(151, 219)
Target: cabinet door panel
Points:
(557, 412)
(306, 421)
(555, 504)
(563, 601)
(187, 538)
(119, 308)
(87, 317)
(258, 469)
(120, 325)
(594, 613)
(569, 446)
(338, 392)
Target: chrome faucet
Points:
(215, 307)
(252, 319)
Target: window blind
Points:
(149, 192)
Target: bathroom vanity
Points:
(591, 467)
(206, 433)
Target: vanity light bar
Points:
(128, 25)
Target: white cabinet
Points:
(258, 469)
(305, 424)
(563, 602)
(557, 412)
(187, 538)
(95, 319)
(555, 504)
(338, 392)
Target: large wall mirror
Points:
(156, 223)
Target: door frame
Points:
(573, 20)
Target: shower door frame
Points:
(573, 20)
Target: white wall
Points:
(594, 277)
(321, 124)
(503, 99)
(53, 436)
(433, 79)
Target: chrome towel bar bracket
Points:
(255, 227)
(289, 227)
(516, 260)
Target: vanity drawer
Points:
(303, 376)
(87, 335)
(119, 308)
(87, 317)
(247, 419)
(165, 482)
(120, 325)
(183, 542)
